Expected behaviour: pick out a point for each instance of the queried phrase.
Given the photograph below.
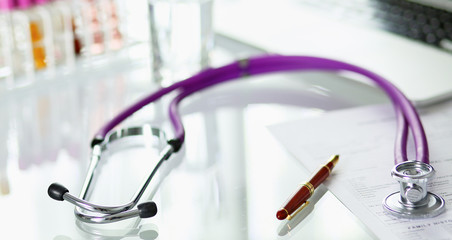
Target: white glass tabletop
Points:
(226, 183)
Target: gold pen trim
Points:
(310, 187)
(298, 210)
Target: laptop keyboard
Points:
(412, 20)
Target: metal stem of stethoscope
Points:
(406, 115)
(111, 213)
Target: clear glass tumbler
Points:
(181, 38)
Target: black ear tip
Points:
(147, 209)
(56, 191)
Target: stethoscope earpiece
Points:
(413, 200)
(147, 209)
(56, 191)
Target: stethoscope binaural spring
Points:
(413, 200)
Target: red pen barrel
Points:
(320, 176)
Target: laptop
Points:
(407, 42)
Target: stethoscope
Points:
(412, 201)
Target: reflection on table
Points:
(226, 183)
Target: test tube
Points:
(89, 36)
(111, 26)
(21, 48)
(94, 32)
(6, 45)
(63, 37)
(40, 34)
(78, 28)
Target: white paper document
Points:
(364, 139)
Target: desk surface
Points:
(227, 183)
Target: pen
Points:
(305, 191)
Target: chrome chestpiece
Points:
(413, 200)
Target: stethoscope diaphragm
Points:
(413, 200)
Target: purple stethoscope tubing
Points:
(405, 112)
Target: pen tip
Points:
(281, 214)
(334, 159)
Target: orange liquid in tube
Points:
(36, 33)
(39, 53)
